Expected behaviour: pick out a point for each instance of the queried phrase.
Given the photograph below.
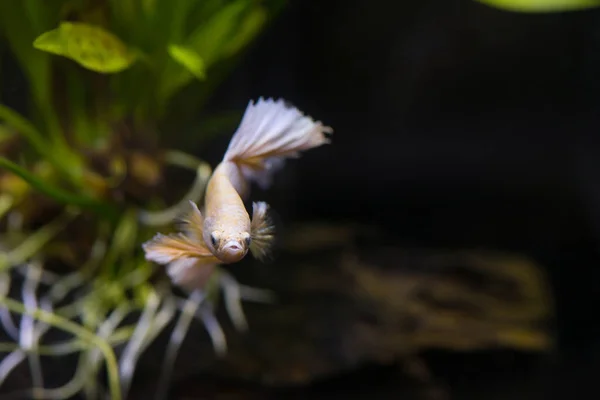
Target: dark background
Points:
(456, 126)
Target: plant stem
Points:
(58, 194)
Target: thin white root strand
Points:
(10, 362)
(149, 325)
(130, 353)
(213, 327)
(8, 324)
(177, 336)
(5, 318)
(162, 319)
(46, 277)
(105, 331)
(233, 301)
(70, 388)
(257, 295)
(28, 338)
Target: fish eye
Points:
(214, 240)
(248, 240)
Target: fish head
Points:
(229, 247)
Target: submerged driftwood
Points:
(344, 300)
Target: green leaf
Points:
(148, 6)
(208, 41)
(61, 157)
(18, 27)
(50, 42)
(169, 19)
(246, 32)
(123, 240)
(57, 193)
(189, 59)
(90, 46)
(24, 128)
(96, 49)
(6, 133)
(541, 5)
(41, 16)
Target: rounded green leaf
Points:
(95, 49)
(50, 42)
(189, 59)
(542, 5)
(90, 46)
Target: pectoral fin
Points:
(164, 249)
(262, 231)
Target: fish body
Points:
(227, 224)
(224, 232)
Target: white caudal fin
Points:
(269, 132)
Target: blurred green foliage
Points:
(150, 50)
(104, 76)
(541, 6)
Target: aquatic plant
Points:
(82, 181)
(541, 6)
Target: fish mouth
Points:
(232, 251)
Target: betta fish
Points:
(223, 232)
